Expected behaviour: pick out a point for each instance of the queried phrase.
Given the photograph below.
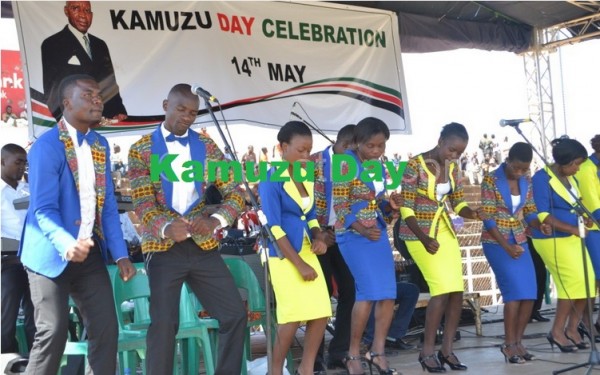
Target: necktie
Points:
(182, 140)
(90, 137)
(87, 46)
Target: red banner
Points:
(13, 92)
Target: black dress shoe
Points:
(333, 363)
(398, 344)
(537, 316)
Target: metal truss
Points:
(538, 71)
(540, 99)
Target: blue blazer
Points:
(54, 213)
(282, 205)
(552, 198)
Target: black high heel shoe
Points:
(515, 358)
(583, 331)
(580, 345)
(432, 357)
(563, 348)
(370, 360)
(524, 353)
(349, 358)
(457, 366)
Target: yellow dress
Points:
(442, 270)
(292, 292)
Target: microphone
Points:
(515, 122)
(196, 89)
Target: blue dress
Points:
(515, 277)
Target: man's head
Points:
(14, 161)
(596, 143)
(8, 109)
(81, 102)
(181, 109)
(79, 14)
(345, 139)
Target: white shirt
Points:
(516, 201)
(12, 220)
(87, 183)
(129, 233)
(184, 193)
(442, 189)
(79, 36)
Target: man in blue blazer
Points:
(74, 51)
(71, 223)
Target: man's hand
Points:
(178, 230)
(126, 269)
(80, 251)
(204, 225)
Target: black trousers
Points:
(89, 285)
(333, 264)
(15, 292)
(540, 276)
(210, 279)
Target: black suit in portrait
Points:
(63, 55)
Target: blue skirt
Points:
(372, 265)
(515, 277)
(592, 242)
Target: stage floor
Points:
(481, 354)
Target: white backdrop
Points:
(338, 64)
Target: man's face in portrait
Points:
(79, 14)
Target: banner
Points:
(266, 62)
(13, 92)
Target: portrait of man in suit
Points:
(74, 51)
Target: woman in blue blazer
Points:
(297, 278)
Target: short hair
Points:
(521, 151)
(455, 129)
(181, 88)
(291, 129)
(12, 149)
(67, 84)
(347, 132)
(368, 127)
(565, 150)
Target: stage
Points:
(481, 354)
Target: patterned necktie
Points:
(87, 46)
(90, 137)
(182, 140)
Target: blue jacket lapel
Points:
(503, 187)
(159, 147)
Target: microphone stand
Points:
(265, 232)
(594, 358)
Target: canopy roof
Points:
(429, 26)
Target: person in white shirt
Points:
(71, 226)
(15, 284)
(178, 237)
